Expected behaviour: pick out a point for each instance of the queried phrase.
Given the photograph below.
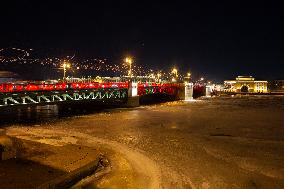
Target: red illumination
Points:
(143, 88)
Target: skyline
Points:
(217, 41)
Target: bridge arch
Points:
(244, 89)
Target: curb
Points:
(69, 179)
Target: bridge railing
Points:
(31, 87)
(154, 88)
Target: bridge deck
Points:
(41, 92)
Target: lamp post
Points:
(175, 72)
(187, 77)
(65, 66)
(188, 74)
(129, 61)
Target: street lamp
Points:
(188, 74)
(187, 77)
(65, 66)
(129, 61)
(175, 72)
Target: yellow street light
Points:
(65, 65)
(175, 71)
(188, 74)
(129, 61)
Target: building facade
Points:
(245, 84)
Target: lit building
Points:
(245, 84)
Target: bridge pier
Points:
(208, 91)
(132, 102)
(132, 98)
(185, 92)
(188, 91)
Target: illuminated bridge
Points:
(18, 94)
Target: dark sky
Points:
(215, 40)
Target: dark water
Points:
(47, 113)
(28, 115)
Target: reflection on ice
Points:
(192, 100)
(173, 125)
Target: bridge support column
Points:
(188, 91)
(133, 98)
(208, 91)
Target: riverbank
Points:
(38, 163)
(124, 168)
(253, 94)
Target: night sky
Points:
(216, 40)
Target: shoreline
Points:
(252, 94)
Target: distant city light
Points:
(15, 57)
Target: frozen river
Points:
(228, 142)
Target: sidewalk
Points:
(38, 163)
